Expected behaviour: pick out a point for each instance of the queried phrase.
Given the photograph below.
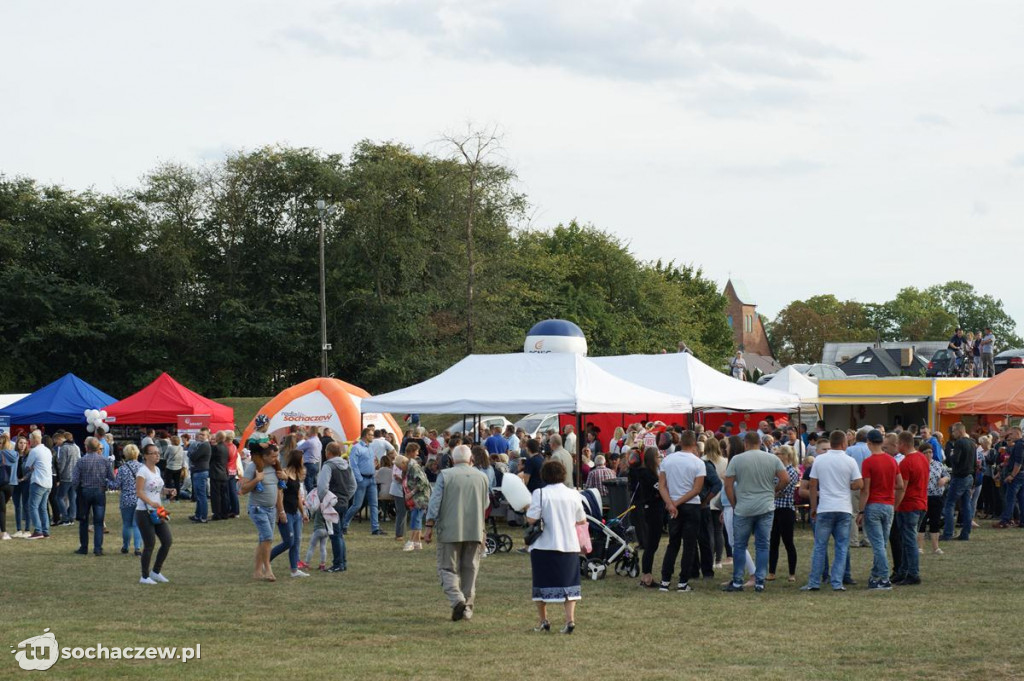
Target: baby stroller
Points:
(495, 541)
(614, 542)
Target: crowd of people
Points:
(706, 494)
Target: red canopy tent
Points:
(163, 401)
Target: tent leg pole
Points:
(579, 450)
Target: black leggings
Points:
(782, 528)
(150, 532)
(6, 492)
(651, 536)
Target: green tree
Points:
(974, 311)
(801, 329)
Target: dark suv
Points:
(939, 364)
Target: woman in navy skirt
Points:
(555, 556)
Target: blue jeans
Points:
(199, 481)
(130, 529)
(340, 559)
(1014, 492)
(877, 523)
(366, 488)
(742, 527)
(837, 526)
(37, 511)
(21, 494)
(959, 488)
(826, 571)
(67, 501)
(291, 537)
(908, 522)
(311, 472)
(93, 499)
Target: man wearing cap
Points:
(883, 489)
(988, 344)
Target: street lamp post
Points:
(324, 210)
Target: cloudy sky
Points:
(802, 147)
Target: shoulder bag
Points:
(537, 529)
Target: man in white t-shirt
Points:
(680, 480)
(379, 447)
(833, 476)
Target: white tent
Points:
(523, 383)
(789, 380)
(683, 374)
(8, 400)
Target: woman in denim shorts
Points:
(266, 504)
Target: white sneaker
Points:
(157, 577)
(5, 536)
(20, 535)
(409, 546)
(718, 566)
(300, 573)
(146, 580)
(937, 552)
(921, 551)
(419, 546)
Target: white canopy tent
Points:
(8, 400)
(521, 383)
(683, 374)
(789, 380)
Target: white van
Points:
(537, 424)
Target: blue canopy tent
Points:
(63, 402)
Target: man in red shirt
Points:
(883, 490)
(915, 469)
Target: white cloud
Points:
(643, 40)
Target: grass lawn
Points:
(387, 618)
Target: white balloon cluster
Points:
(95, 420)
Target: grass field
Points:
(387, 618)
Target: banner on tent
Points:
(192, 423)
(5, 424)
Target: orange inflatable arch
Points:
(325, 402)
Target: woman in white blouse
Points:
(554, 556)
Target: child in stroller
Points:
(613, 543)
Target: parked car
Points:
(811, 371)
(537, 424)
(938, 365)
(1008, 359)
(467, 423)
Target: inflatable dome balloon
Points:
(555, 335)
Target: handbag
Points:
(537, 529)
(409, 502)
(583, 534)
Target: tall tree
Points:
(801, 329)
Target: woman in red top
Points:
(232, 445)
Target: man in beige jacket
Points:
(456, 509)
